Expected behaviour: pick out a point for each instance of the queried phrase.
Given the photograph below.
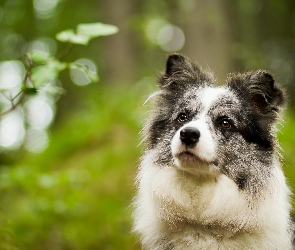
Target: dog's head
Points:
(203, 129)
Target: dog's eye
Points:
(225, 124)
(182, 117)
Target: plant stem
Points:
(66, 51)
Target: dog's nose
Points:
(189, 136)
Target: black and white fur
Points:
(210, 176)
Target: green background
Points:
(77, 193)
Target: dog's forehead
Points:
(210, 96)
(206, 98)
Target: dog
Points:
(210, 175)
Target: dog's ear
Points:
(179, 64)
(260, 90)
(181, 71)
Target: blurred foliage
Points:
(43, 69)
(76, 194)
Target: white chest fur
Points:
(174, 208)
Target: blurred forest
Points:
(68, 161)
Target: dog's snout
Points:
(189, 136)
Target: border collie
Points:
(210, 176)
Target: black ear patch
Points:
(181, 72)
(264, 92)
(259, 89)
(178, 64)
(173, 63)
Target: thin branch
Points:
(14, 105)
(66, 51)
(14, 98)
(5, 96)
(21, 94)
(27, 80)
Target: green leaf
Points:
(96, 29)
(85, 32)
(70, 36)
(64, 36)
(93, 76)
(54, 90)
(38, 57)
(30, 91)
(46, 73)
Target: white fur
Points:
(209, 95)
(172, 202)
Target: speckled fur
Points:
(226, 192)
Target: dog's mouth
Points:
(187, 153)
(189, 157)
(188, 160)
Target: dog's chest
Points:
(183, 196)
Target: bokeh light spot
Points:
(45, 9)
(12, 130)
(11, 74)
(40, 112)
(36, 140)
(152, 29)
(171, 38)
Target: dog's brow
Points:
(229, 103)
